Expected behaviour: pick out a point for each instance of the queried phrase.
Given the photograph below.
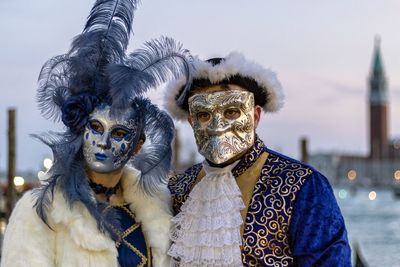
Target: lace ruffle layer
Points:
(207, 230)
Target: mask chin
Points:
(224, 149)
(100, 167)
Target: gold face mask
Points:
(223, 123)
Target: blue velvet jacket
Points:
(292, 217)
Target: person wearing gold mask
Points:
(245, 204)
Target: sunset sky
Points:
(321, 51)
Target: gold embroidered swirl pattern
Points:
(249, 158)
(265, 239)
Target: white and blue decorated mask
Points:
(109, 142)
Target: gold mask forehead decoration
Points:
(223, 123)
(235, 97)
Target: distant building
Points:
(378, 108)
(381, 167)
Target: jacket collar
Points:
(251, 156)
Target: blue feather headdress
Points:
(97, 71)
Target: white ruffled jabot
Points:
(207, 230)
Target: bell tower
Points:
(378, 107)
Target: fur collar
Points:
(153, 212)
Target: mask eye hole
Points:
(232, 113)
(96, 126)
(119, 134)
(203, 116)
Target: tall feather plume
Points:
(53, 87)
(154, 159)
(157, 62)
(103, 41)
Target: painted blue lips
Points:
(100, 156)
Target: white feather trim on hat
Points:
(234, 64)
(171, 94)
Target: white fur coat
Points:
(76, 240)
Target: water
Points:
(373, 224)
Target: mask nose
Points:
(218, 125)
(104, 141)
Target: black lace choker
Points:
(100, 189)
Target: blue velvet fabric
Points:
(132, 248)
(317, 234)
